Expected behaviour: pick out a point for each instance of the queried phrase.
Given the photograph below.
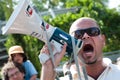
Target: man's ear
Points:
(103, 39)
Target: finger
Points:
(61, 55)
(63, 50)
(44, 49)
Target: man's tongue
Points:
(88, 50)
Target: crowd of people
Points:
(17, 55)
(87, 29)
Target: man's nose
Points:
(15, 76)
(85, 36)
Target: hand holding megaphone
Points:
(45, 54)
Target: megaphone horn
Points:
(24, 20)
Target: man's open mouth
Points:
(88, 48)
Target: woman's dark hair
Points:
(22, 54)
(24, 57)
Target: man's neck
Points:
(94, 70)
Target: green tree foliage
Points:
(6, 7)
(2, 16)
(38, 4)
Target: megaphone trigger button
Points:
(62, 41)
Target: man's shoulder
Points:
(112, 72)
(114, 68)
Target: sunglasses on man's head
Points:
(93, 31)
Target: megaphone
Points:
(25, 20)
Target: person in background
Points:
(13, 71)
(91, 53)
(16, 54)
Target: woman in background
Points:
(16, 54)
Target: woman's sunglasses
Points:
(93, 31)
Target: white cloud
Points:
(114, 3)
